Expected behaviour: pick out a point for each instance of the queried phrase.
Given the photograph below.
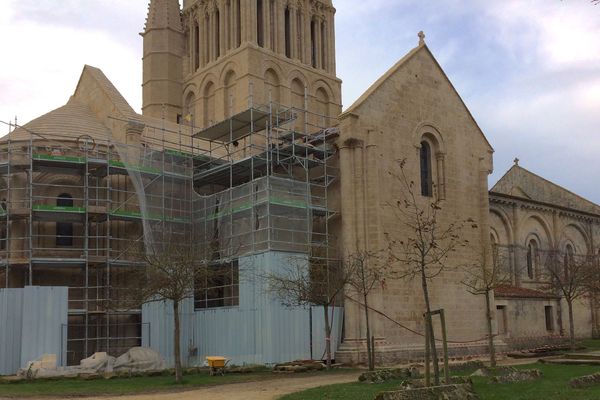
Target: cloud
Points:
(44, 64)
(528, 70)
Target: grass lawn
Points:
(120, 386)
(554, 386)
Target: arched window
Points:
(196, 49)
(64, 230)
(260, 25)
(313, 43)
(568, 262)
(288, 33)
(426, 175)
(532, 258)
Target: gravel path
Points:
(264, 390)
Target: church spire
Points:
(164, 14)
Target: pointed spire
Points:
(164, 14)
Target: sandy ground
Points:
(265, 390)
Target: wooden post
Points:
(445, 343)
(427, 371)
(373, 351)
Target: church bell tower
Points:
(163, 60)
(239, 53)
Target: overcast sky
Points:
(529, 70)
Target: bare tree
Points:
(486, 274)
(428, 242)
(171, 268)
(170, 273)
(365, 273)
(317, 281)
(568, 275)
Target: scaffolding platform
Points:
(236, 127)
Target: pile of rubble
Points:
(299, 366)
(136, 360)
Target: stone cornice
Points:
(501, 198)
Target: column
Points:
(332, 65)
(307, 38)
(192, 43)
(234, 27)
(205, 43)
(242, 15)
(301, 39)
(211, 35)
(280, 38)
(318, 42)
(251, 22)
(223, 36)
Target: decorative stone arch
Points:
(208, 95)
(227, 68)
(229, 95)
(276, 67)
(428, 130)
(189, 103)
(72, 183)
(506, 224)
(272, 80)
(425, 132)
(567, 239)
(297, 74)
(545, 227)
(533, 251)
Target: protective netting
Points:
(268, 213)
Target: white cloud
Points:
(44, 62)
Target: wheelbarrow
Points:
(217, 365)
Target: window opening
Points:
(64, 230)
(260, 24)
(218, 286)
(549, 318)
(426, 175)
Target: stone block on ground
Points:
(99, 362)
(518, 376)
(496, 371)
(446, 392)
(383, 375)
(139, 359)
(585, 381)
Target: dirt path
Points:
(265, 390)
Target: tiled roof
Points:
(69, 121)
(520, 292)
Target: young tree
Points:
(171, 270)
(428, 241)
(486, 274)
(568, 275)
(366, 272)
(319, 283)
(171, 266)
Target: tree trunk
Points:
(176, 342)
(492, 348)
(369, 349)
(327, 336)
(571, 323)
(434, 358)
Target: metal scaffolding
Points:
(77, 211)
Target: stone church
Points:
(242, 143)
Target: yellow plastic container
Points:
(216, 362)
